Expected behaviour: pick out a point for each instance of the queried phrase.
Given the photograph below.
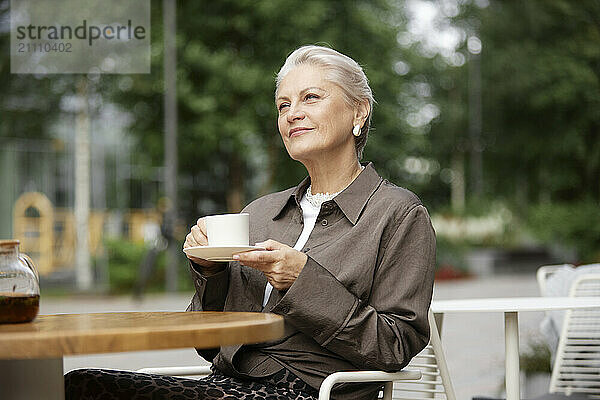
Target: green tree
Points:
(541, 73)
(28, 101)
(228, 55)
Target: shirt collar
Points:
(351, 200)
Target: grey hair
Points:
(340, 70)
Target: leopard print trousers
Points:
(101, 384)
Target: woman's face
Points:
(314, 118)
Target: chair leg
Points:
(388, 390)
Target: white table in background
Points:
(511, 306)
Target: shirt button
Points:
(317, 332)
(306, 250)
(285, 309)
(324, 222)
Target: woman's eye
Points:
(282, 106)
(311, 96)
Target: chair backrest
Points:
(435, 382)
(557, 280)
(577, 364)
(544, 272)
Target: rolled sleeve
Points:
(211, 291)
(311, 307)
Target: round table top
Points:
(53, 336)
(514, 304)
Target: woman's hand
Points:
(280, 263)
(198, 237)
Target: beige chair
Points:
(426, 376)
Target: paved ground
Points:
(474, 343)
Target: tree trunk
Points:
(457, 184)
(272, 154)
(235, 192)
(475, 125)
(83, 265)
(170, 141)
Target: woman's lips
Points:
(298, 131)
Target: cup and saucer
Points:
(227, 235)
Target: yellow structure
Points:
(47, 234)
(33, 220)
(64, 234)
(136, 221)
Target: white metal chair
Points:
(577, 364)
(435, 382)
(339, 377)
(544, 272)
(556, 280)
(426, 376)
(368, 376)
(196, 371)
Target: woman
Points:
(349, 256)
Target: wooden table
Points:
(31, 354)
(511, 306)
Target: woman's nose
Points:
(295, 113)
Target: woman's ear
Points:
(361, 113)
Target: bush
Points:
(493, 226)
(451, 252)
(575, 225)
(124, 260)
(458, 233)
(537, 358)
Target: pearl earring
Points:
(356, 130)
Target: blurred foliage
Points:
(124, 259)
(228, 56)
(123, 263)
(569, 224)
(540, 139)
(541, 92)
(451, 253)
(540, 96)
(493, 227)
(536, 358)
(29, 102)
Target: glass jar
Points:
(19, 285)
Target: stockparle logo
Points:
(80, 36)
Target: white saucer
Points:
(218, 253)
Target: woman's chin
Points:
(303, 153)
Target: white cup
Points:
(228, 229)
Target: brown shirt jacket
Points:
(361, 301)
